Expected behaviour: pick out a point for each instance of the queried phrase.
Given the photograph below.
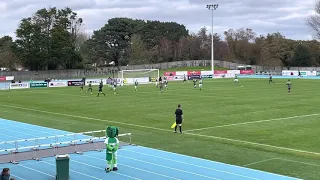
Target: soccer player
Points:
(81, 87)
(115, 86)
(184, 79)
(236, 80)
(194, 83)
(179, 119)
(89, 88)
(159, 81)
(270, 79)
(161, 86)
(200, 84)
(136, 85)
(289, 86)
(165, 83)
(100, 89)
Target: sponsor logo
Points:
(58, 84)
(3, 78)
(221, 72)
(74, 83)
(38, 85)
(191, 73)
(169, 73)
(194, 77)
(170, 78)
(207, 76)
(19, 85)
(246, 72)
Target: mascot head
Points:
(112, 131)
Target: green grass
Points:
(149, 114)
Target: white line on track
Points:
(76, 172)
(167, 130)
(137, 168)
(189, 164)
(168, 167)
(253, 122)
(113, 171)
(36, 171)
(20, 178)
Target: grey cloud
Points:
(261, 16)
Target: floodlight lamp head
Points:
(212, 6)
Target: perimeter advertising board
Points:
(58, 84)
(206, 74)
(74, 83)
(296, 73)
(4, 86)
(19, 85)
(194, 75)
(39, 85)
(95, 82)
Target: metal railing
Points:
(56, 144)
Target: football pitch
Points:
(253, 124)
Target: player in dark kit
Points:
(114, 86)
(289, 86)
(89, 88)
(270, 79)
(100, 89)
(179, 119)
(184, 79)
(194, 83)
(159, 81)
(81, 87)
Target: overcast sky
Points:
(285, 16)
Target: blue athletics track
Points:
(134, 162)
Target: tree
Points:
(314, 20)
(241, 43)
(47, 40)
(301, 56)
(7, 57)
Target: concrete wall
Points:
(78, 73)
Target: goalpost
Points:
(143, 76)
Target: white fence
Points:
(76, 140)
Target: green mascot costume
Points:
(112, 145)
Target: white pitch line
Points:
(253, 122)
(189, 164)
(76, 172)
(83, 117)
(310, 164)
(167, 130)
(256, 144)
(258, 162)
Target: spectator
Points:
(5, 174)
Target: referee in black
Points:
(179, 118)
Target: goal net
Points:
(143, 76)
